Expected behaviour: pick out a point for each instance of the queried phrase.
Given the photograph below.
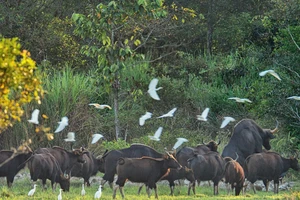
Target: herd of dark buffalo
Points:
(243, 158)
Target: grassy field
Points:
(21, 188)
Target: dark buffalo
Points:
(234, 175)
(247, 138)
(145, 170)
(268, 166)
(134, 151)
(90, 168)
(65, 159)
(14, 162)
(188, 152)
(176, 174)
(208, 166)
(45, 166)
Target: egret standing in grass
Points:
(98, 193)
(59, 197)
(143, 118)
(34, 117)
(169, 114)
(62, 124)
(152, 89)
(203, 116)
(32, 191)
(270, 71)
(82, 190)
(100, 106)
(226, 121)
(157, 134)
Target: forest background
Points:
(202, 52)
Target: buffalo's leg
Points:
(155, 190)
(192, 185)
(172, 186)
(276, 186)
(140, 188)
(266, 184)
(216, 189)
(122, 191)
(253, 188)
(115, 191)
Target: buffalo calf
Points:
(234, 175)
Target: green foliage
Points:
(115, 145)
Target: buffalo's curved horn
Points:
(237, 156)
(276, 128)
(219, 142)
(203, 142)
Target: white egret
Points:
(71, 137)
(98, 193)
(62, 124)
(294, 97)
(156, 135)
(203, 116)
(169, 114)
(143, 118)
(240, 100)
(179, 142)
(270, 71)
(32, 191)
(82, 190)
(152, 89)
(59, 197)
(34, 116)
(96, 137)
(226, 121)
(99, 106)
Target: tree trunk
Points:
(209, 27)
(116, 110)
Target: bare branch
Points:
(293, 38)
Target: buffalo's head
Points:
(79, 153)
(294, 164)
(269, 134)
(171, 162)
(64, 182)
(212, 145)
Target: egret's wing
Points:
(64, 121)
(34, 116)
(158, 132)
(153, 83)
(106, 106)
(292, 97)
(234, 98)
(164, 115)
(152, 89)
(144, 118)
(275, 75)
(153, 94)
(96, 137)
(171, 112)
(205, 113)
(263, 73)
(60, 127)
(179, 142)
(247, 100)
